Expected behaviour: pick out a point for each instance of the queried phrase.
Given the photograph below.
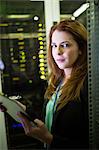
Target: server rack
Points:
(93, 72)
(23, 51)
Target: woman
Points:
(65, 109)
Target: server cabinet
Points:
(23, 51)
(93, 72)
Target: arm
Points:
(36, 129)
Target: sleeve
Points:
(57, 140)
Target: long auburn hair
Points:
(71, 89)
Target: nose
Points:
(59, 50)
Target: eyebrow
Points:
(60, 43)
(64, 42)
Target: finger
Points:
(25, 126)
(23, 118)
(39, 123)
(25, 123)
(23, 106)
(20, 115)
(26, 118)
(2, 108)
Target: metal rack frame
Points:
(93, 72)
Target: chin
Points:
(61, 67)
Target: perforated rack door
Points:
(93, 72)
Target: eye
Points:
(64, 45)
(53, 45)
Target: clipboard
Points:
(13, 108)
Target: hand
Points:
(2, 108)
(36, 130)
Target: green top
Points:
(51, 107)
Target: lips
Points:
(60, 60)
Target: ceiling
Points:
(26, 6)
(69, 6)
(66, 6)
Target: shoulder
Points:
(73, 107)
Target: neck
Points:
(67, 74)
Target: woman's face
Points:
(65, 49)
